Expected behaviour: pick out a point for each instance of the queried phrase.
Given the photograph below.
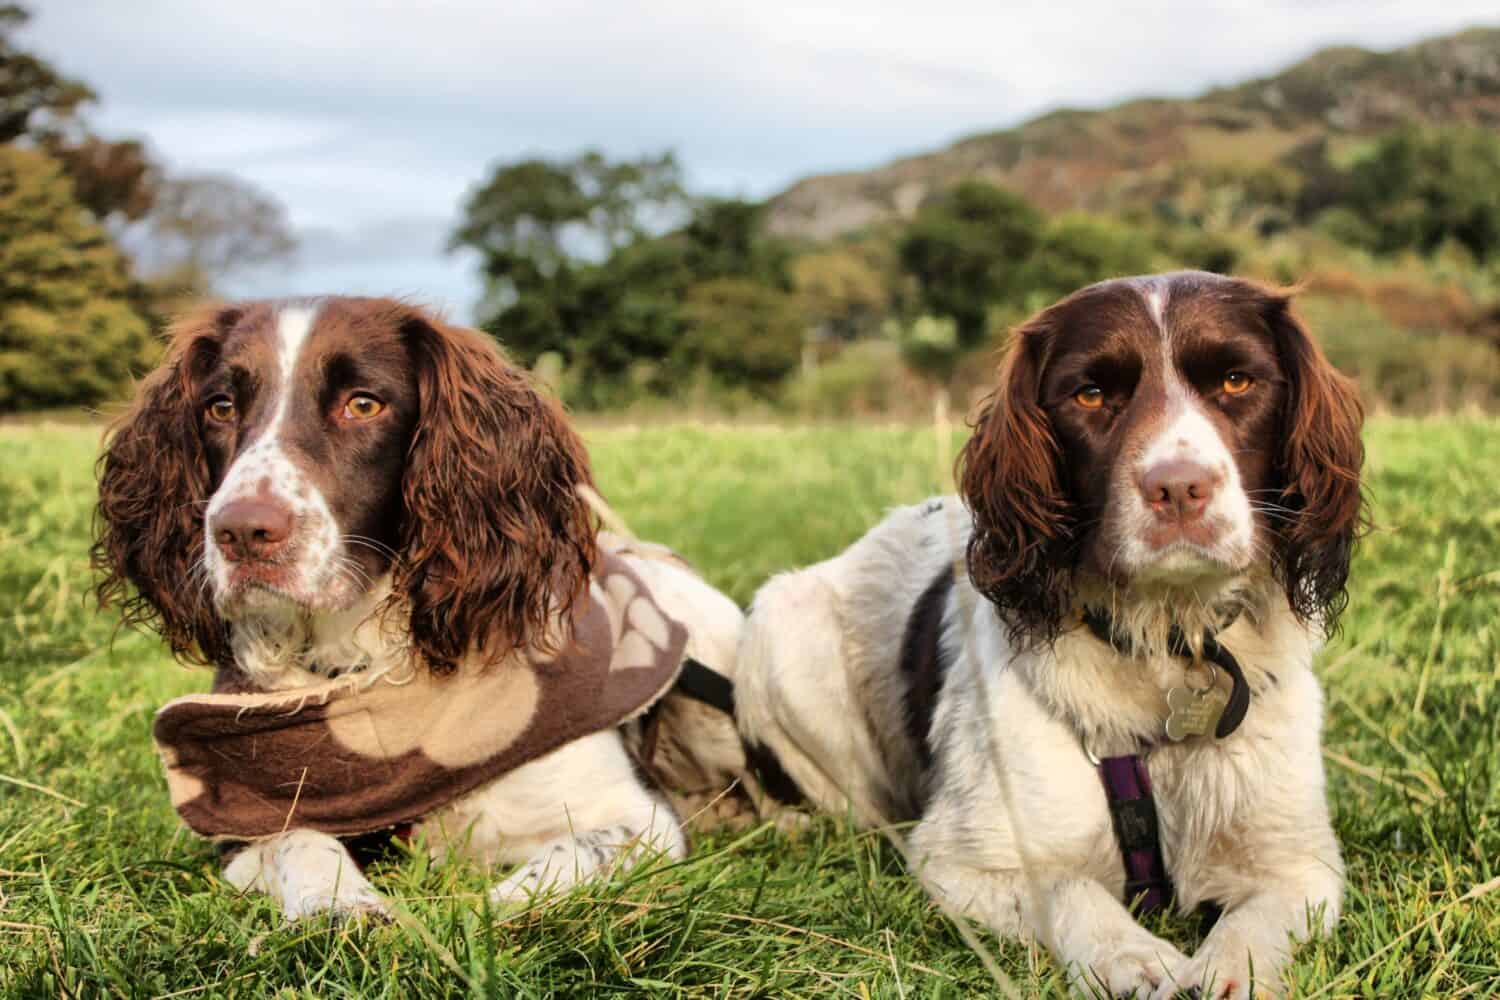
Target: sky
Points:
(370, 120)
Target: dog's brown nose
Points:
(252, 528)
(1179, 489)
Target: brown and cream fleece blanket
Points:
(357, 755)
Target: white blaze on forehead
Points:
(293, 325)
(263, 461)
(1186, 430)
(1156, 294)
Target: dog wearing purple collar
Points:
(1087, 682)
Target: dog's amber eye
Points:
(221, 409)
(362, 407)
(1090, 397)
(1237, 382)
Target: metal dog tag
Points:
(1194, 712)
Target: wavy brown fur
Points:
(1321, 461)
(1009, 473)
(153, 488)
(497, 539)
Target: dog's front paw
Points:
(555, 870)
(355, 904)
(1136, 969)
(792, 823)
(523, 886)
(1222, 973)
(597, 854)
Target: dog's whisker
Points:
(372, 543)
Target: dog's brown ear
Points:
(498, 540)
(1010, 476)
(153, 489)
(1322, 457)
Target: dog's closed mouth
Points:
(262, 584)
(1185, 561)
(259, 577)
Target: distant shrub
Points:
(1415, 296)
(967, 249)
(840, 291)
(1196, 249)
(866, 377)
(1219, 196)
(1421, 187)
(69, 335)
(1077, 250)
(1348, 226)
(1404, 369)
(743, 332)
(928, 345)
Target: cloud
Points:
(362, 116)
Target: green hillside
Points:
(1111, 159)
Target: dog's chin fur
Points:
(1144, 611)
(280, 643)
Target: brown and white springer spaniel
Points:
(1162, 451)
(310, 487)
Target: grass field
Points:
(101, 891)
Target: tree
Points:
(39, 106)
(742, 331)
(929, 346)
(30, 88)
(571, 268)
(517, 221)
(68, 332)
(725, 238)
(633, 198)
(1421, 187)
(203, 228)
(840, 291)
(965, 250)
(109, 178)
(1078, 250)
(559, 246)
(535, 217)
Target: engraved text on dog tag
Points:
(1194, 712)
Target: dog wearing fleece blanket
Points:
(376, 531)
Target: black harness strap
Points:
(773, 777)
(1132, 809)
(702, 683)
